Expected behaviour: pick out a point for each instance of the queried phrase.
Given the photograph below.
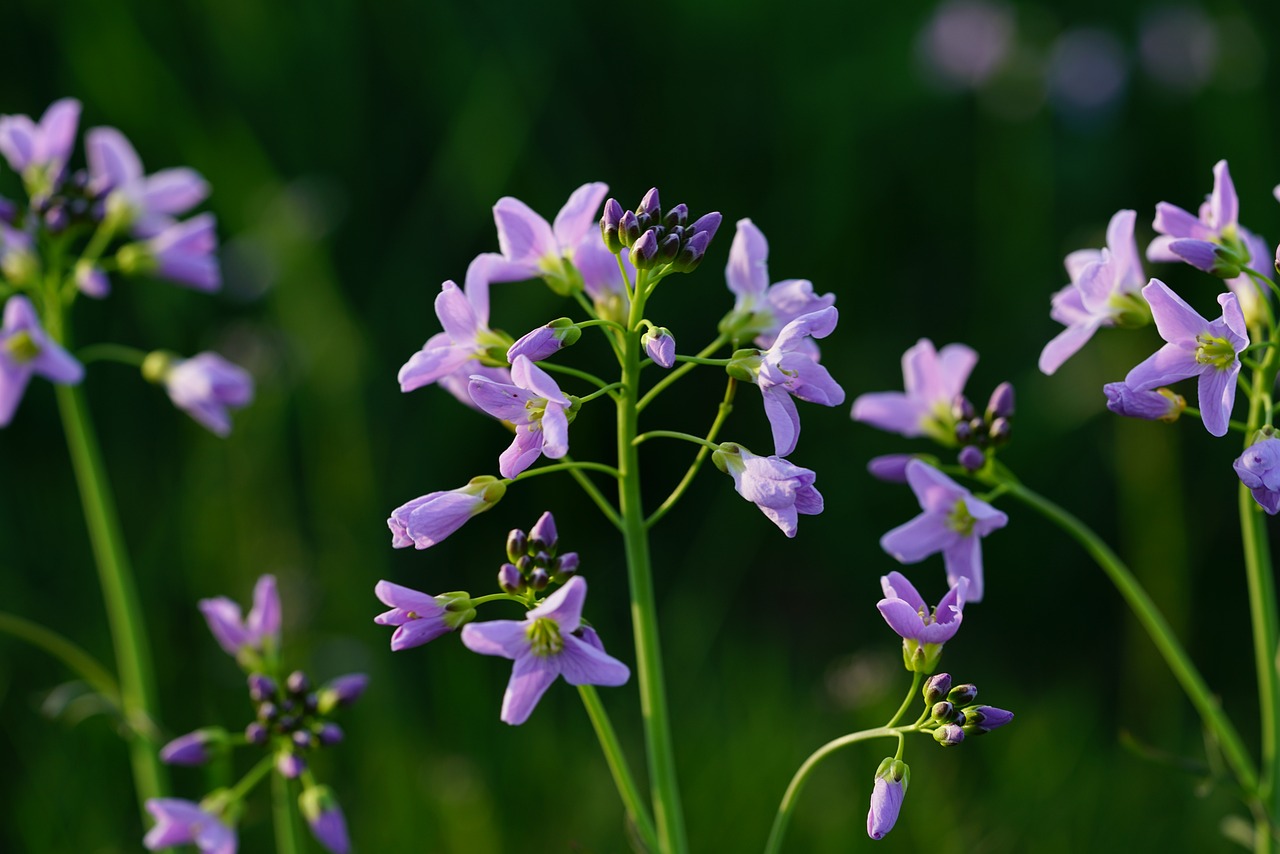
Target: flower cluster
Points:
(292, 719)
(109, 216)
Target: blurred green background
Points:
(931, 165)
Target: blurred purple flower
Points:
(183, 253)
(891, 468)
(145, 203)
(192, 748)
(1259, 469)
(761, 310)
(324, 817)
(260, 630)
(427, 520)
(537, 408)
(26, 349)
(180, 822)
(544, 646)
(780, 489)
(966, 41)
(39, 152)
(206, 386)
(933, 380)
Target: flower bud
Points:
(891, 781)
(963, 695)
(1001, 403)
(545, 340)
(566, 565)
(706, 224)
(1162, 404)
(644, 253)
(297, 683)
(194, 748)
(510, 579)
(1000, 431)
(325, 819)
(543, 536)
(303, 740)
(1212, 258)
(948, 735)
(261, 687)
(525, 564)
(691, 252)
(255, 733)
(962, 409)
(539, 578)
(342, 691)
(91, 280)
(963, 432)
(669, 247)
(660, 346)
(629, 229)
(980, 720)
(942, 710)
(936, 687)
(1259, 469)
(290, 764)
(609, 226)
(330, 734)
(677, 216)
(650, 206)
(891, 468)
(517, 545)
(972, 458)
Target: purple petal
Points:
(18, 135)
(963, 559)
(1077, 261)
(1224, 206)
(407, 599)
(902, 618)
(886, 802)
(581, 663)
(914, 541)
(523, 451)
(1175, 320)
(747, 273)
(1200, 254)
(1173, 221)
(784, 419)
(457, 315)
(264, 617)
(1065, 345)
(1167, 365)
(523, 236)
(437, 359)
(531, 676)
(505, 638)
(896, 586)
(13, 384)
(808, 500)
(890, 468)
(579, 214)
(1218, 398)
(501, 400)
(113, 162)
(486, 269)
(225, 623)
(58, 131)
(936, 492)
(173, 191)
(817, 324)
(564, 606)
(529, 376)
(784, 517)
(1233, 316)
(892, 411)
(1123, 246)
(555, 432)
(418, 632)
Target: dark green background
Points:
(355, 150)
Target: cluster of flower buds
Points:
(533, 562)
(992, 429)
(952, 715)
(656, 240)
(296, 717)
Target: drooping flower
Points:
(466, 337)
(545, 341)
(545, 645)
(1105, 290)
(420, 618)
(933, 380)
(39, 152)
(206, 386)
(780, 489)
(180, 822)
(923, 631)
(534, 248)
(258, 632)
(427, 520)
(1158, 405)
(324, 817)
(537, 408)
(953, 522)
(1259, 469)
(183, 253)
(194, 748)
(892, 778)
(788, 370)
(26, 349)
(761, 309)
(1195, 347)
(147, 204)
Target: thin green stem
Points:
(594, 493)
(609, 390)
(677, 373)
(284, 810)
(726, 406)
(573, 465)
(1153, 622)
(632, 800)
(792, 795)
(916, 681)
(241, 790)
(112, 353)
(574, 372)
(600, 321)
(696, 360)
(498, 597)
(673, 434)
(76, 659)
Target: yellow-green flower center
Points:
(960, 520)
(1215, 350)
(22, 347)
(544, 637)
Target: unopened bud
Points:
(942, 711)
(1001, 403)
(629, 228)
(261, 687)
(644, 253)
(669, 247)
(660, 346)
(342, 691)
(650, 205)
(677, 216)
(1001, 430)
(948, 735)
(255, 733)
(510, 579)
(963, 695)
(690, 255)
(517, 545)
(936, 687)
(566, 565)
(706, 224)
(539, 578)
(609, 226)
(972, 458)
(298, 683)
(543, 536)
(962, 409)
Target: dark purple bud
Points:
(609, 224)
(983, 719)
(669, 247)
(542, 559)
(342, 691)
(629, 228)
(972, 458)
(287, 722)
(978, 429)
(943, 711)
(517, 545)
(706, 224)
(650, 205)
(298, 683)
(690, 255)
(962, 409)
(8, 211)
(330, 734)
(948, 735)
(1001, 403)
(891, 468)
(539, 578)
(645, 251)
(56, 218)
(1001, 430)
(288, 707)
(194, 748)
(510, 579)
(963, 695)
(310, 703)
(936, 687)
(261, 687)
(566, 565)
(290, 764)
(525, 564)
(677, 216)
(268, 712)
(255, 733)
(963, 432)
(325, 819)
(543, 536)
(302, 740)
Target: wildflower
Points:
(533, 248)
(787, 369)
(1259, 469)
(1105, 290)
(145, 203)
(1195, 347)
(194, 748)
(602, 278)
(923, 632)
(891, 468)
(545, 341)
(537, 408)
(182, 253)
(1158, 405)
(781, 490)
(545, 645)
(980, 720)
(953, 522)
(26, 349)
(466, 338)
(260, 631)
(39, 152)
(427, 520)
(892, 778)
(180, 822)
(205, 386)
(760, 309)
(660, 345)
(933, 380)
(340, 691)
(1217, 223)
(420, 618)
(324, 817)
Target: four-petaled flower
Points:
(39, 152)
(180, 822)
(465, 339)
(430, 518)
(419, 617)
(932, 379)
(260, 629)
(532, 247)
(1106, 287)
(537, 408)
(923, 631)
(780, 489)
(145, 203)
(545, 645)
(206, 386)
(1195, 347)
(26, 349)
(953, 522)
(183, 252)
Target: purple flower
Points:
(1259, 469)
(892, 778)
(923, 632)
(781, 490)
(602, 278)
(660, 345)
(761, 310)
(543, 536)
(182, 253)
(26, 349)
(324, 817)
(1195, 347)
(92, 281)
(980, 720)
(194, 747)
(1217, 223)
(466, 337)
(953, 522)
(1158, 405)
(1105, 290)
(537, 408)
(260, 630)
(146, 203)
(341, 691)
(420, 618)
(39, 152)
(206, 386)
(180, 822)
(544, 645)
(427, 520)
(891, 468)
(932, 380)
(532, 247)
(545, 341)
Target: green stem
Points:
(726, 406)
(916, 680)
(285, 815)
(632, 800)
(242, 789)
(664, 788)
(677, 373)
(112, 353)
(1157, 629)
(75, 658)
(698, 360)
(569, 466)
(609, 390)
(674, 434)
(789, 798)
(574, 372)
